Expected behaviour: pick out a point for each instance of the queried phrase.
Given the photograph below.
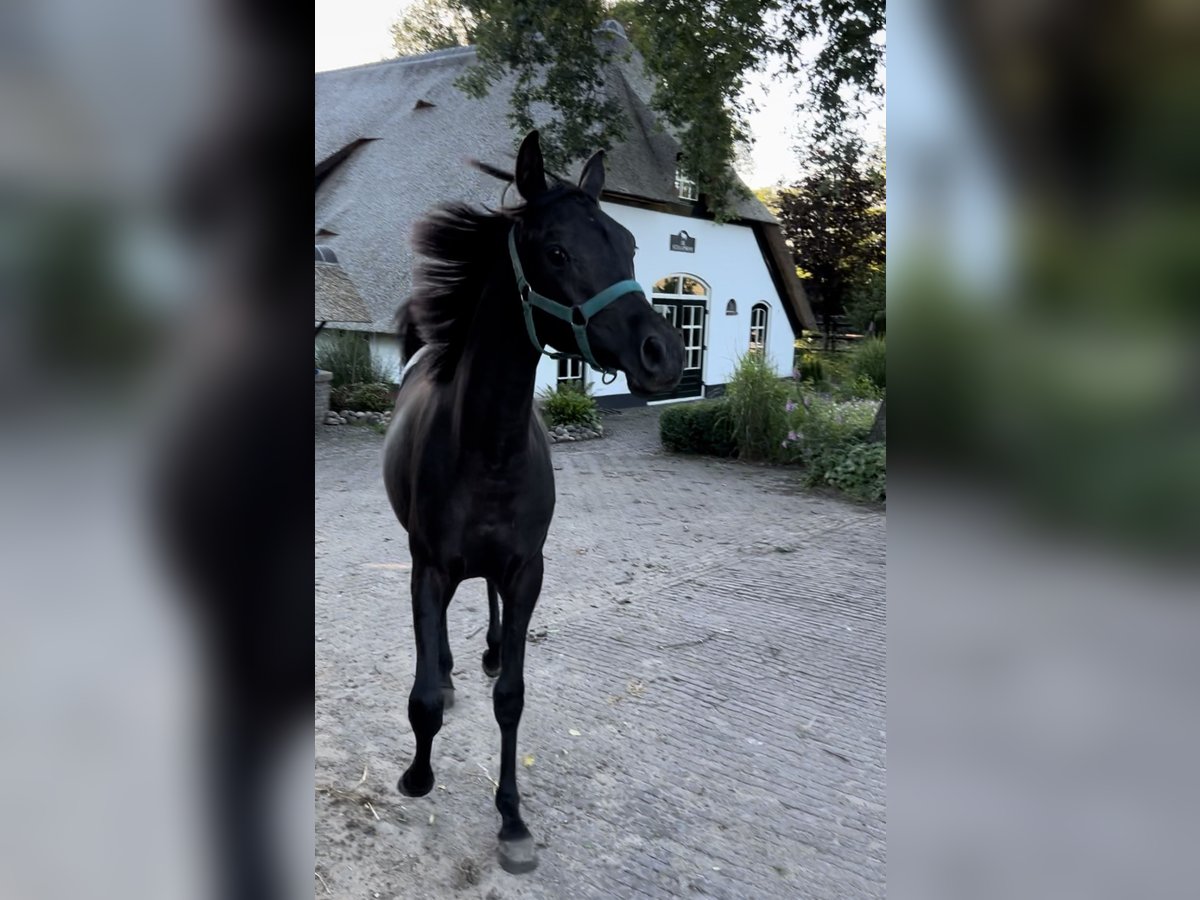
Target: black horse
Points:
(466, 460)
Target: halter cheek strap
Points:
(577, 316)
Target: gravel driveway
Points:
(705, 689)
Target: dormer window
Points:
(685, 184)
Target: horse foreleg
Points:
(508, 699)
(491, 658)
(429, 591)
(445, 657)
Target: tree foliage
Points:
(700, 56)
(551, 48)
(833, 220)
(428, 25)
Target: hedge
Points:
(702, 426)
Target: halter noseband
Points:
(577, 316)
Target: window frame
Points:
(685, 185)
(571, 363)
(759, 328)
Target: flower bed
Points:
(560, 434)
(763, 418)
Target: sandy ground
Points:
(705, 689)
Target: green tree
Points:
(699, 55)
(428, 25)
(768, 197)
(833, 220)
(866, 303)
(551, 48)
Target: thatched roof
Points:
(336, 298)
(392, 140)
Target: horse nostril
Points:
(654, 354)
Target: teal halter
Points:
(578, 316)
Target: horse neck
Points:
(497, 370)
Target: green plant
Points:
(569, 404)
(347, 354)
(754, 407)
(816, 423)
(811, 368)
(861, 388)
(577, 386)
(867, 303)
(374, 397)
(829, 438)
(859, 471)
(836, 365)
(869, 360)
(698, 427)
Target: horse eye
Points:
(557, 255)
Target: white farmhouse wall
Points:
(384, 347)
(729, 261)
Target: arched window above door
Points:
(685, 287)
(758, 326)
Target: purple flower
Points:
(792, 436)
(790, 406)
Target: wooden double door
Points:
(690, 318)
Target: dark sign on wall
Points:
(683, 242)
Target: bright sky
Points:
(353, 32)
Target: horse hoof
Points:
(517, 856)
(488, 670)
(415, 785)
(447, 697)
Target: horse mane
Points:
(457, 245)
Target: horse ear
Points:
(531, 169)
(592, 179)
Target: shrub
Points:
(816, 423)
(836, 365)
(754, 406)
(867, 303)
(569, 404)
(374, 397)
(347, 354)
(861, 388)
(811, 368)
(830, 440)
(859, 471)
(869, 360)
(698, 427)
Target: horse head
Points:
(574, 268)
